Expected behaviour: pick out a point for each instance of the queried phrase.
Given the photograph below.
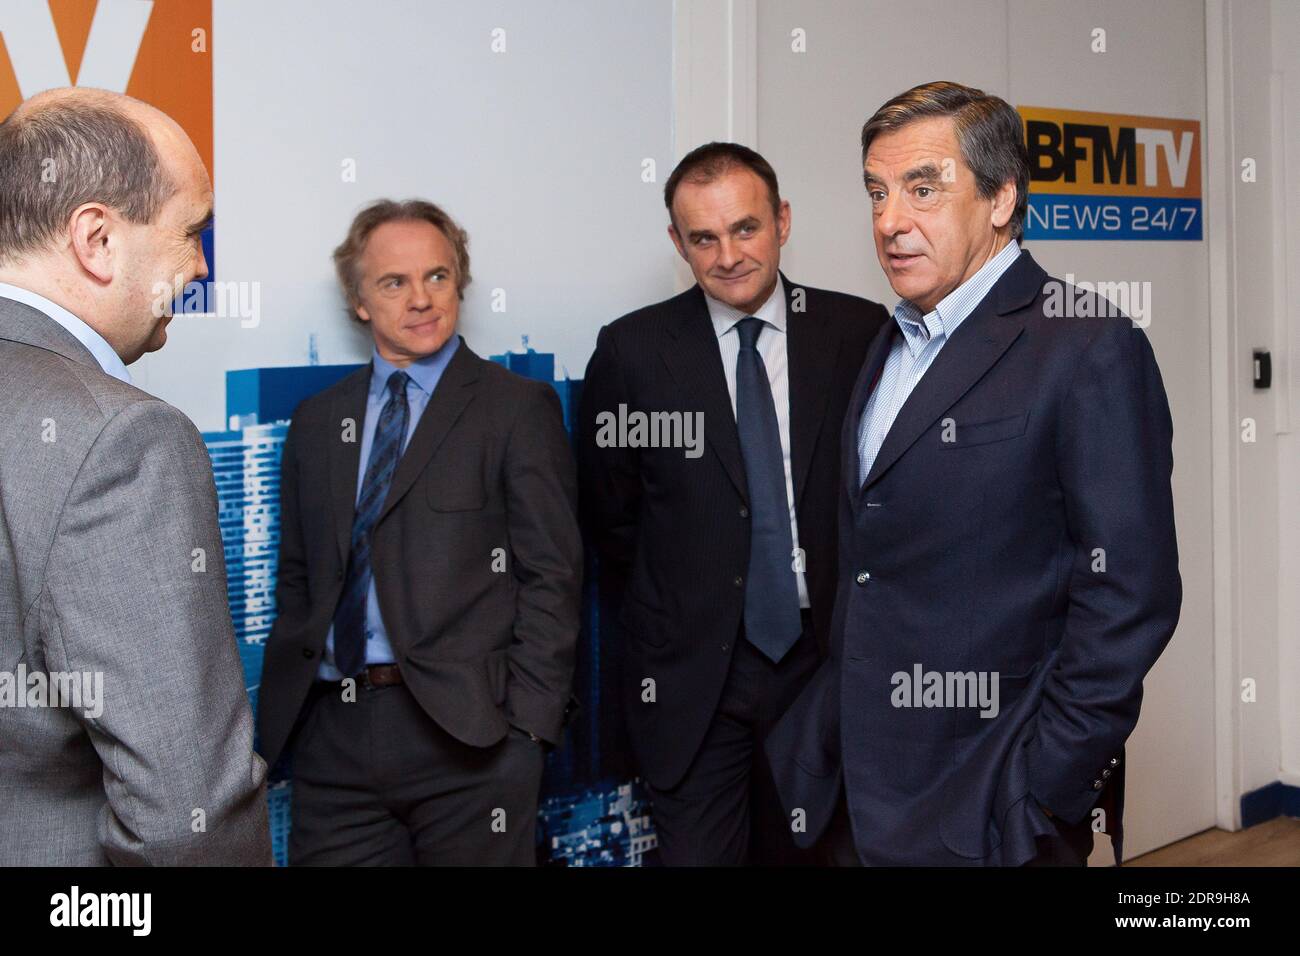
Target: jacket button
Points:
(863, 577)
(1105, 775)
(738, 581)
(725, 648)
(308, 653)
(1114, 761)
(1097, 785)
(744, 512)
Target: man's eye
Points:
(392, 283)
(876, 195)
(923, 192)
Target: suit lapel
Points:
(976, 345)
(812, 349)
(449, 399)
(695, 362)
(345, 456)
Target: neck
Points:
(46, 278)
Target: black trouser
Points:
(726, 811)
(377, 782)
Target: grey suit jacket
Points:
(112, 575)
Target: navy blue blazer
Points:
(1019, 520)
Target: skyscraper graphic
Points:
(246, 469)
(591, 814)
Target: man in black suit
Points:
(721, 551)
(1008, 564)
(429, 578)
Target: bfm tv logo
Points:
(157, 52)
(1112, 176)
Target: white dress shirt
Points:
(108, 360)
(771, 347)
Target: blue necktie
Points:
(350, 615)
(772, 621)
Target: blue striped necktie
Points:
(772, 621)
(350, 616)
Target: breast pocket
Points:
(954, 432)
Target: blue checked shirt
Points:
(913, 353)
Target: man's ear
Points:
(677, 241)
(1004, 204)
(361, 312)
(92, 230)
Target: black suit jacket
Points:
(672, 532)
(1018, 521)
(488, 467)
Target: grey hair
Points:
(989, 132)
(58, 156)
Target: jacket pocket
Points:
(967, 434)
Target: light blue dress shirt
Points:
(103, 353)
(909, 356)
(425, 374)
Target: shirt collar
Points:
(102, 352)
(424, 372)
(956, 306)
(725, 317)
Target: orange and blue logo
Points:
(155, 50)
(1112, 176)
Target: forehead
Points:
(416, 243)
(932, 139)
(735, 194)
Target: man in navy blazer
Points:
(1008, 571)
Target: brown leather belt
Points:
(371, 677)
(380, 675)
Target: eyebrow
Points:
(201, 225)
(926, 172)
(738, 224)
(402, 275)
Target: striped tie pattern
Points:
(350, 615)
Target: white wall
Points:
(537, 152)
(1285, 29)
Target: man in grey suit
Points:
(430, 575)
(126, 737)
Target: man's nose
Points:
(420, 299)
(202, 272)
(892, 218)
(729, 254)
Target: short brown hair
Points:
(57, 156)
(989, 131)
(706, 163)
(382, 211)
